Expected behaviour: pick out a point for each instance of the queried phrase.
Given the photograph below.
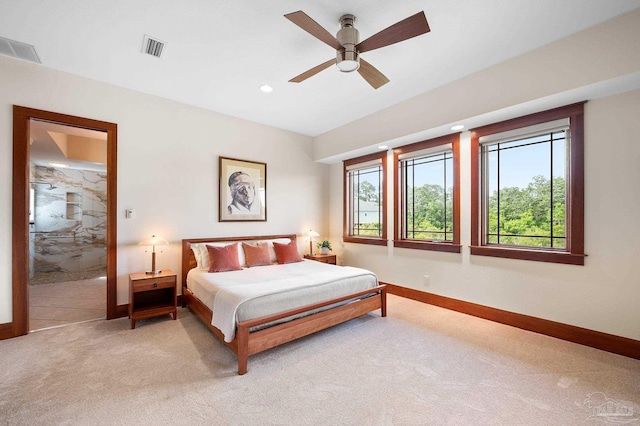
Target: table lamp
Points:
(311, 235)
(153, 242)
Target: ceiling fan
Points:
(349, 47)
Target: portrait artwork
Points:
(243, 190)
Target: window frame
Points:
(444, 246)
(573, 253)
(359, 239)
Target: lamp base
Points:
(153, 272)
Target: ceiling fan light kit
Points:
(348, 46)
(347, 59)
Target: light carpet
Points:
(420, 365)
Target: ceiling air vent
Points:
(152, 46)
(19, 50)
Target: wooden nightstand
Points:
(324, 258)
(151, 295)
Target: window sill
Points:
(428, 245)
(524, 254)
(364, 240)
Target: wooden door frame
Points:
(20, 227)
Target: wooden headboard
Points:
(189, 260)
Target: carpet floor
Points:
(420, 365)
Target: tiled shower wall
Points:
(69, 230)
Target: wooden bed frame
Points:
(246, 342)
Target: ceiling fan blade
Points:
(313, 71)
(408, 28)
(370, 73)
(303, 20)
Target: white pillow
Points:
(204, 254)
(272, 252)
(195, 248)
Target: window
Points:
(527, 187)
(365, 212)
(427, 211)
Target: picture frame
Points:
(242, 190)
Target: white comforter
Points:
(256, 292)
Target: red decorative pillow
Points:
(287, 253)
(224, 258)
(257, 255)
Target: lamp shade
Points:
(313, 233)
(154, 241)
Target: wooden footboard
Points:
(250, 343)
(247, 343)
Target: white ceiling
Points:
(219, 52)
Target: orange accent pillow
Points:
(287, 253)
(224, 258)
(257, 255)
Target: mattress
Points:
(251, 293)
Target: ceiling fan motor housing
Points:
(347, 59)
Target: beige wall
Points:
(86, 149)
(167, 167)
(601, 65)
(603, 295)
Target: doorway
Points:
(25, 182)
(67, 224)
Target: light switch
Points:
(129, 213)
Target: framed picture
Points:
(243, 190)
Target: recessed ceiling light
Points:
(266, 88)
(383, 147)
(457, 127)
(59, 165)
